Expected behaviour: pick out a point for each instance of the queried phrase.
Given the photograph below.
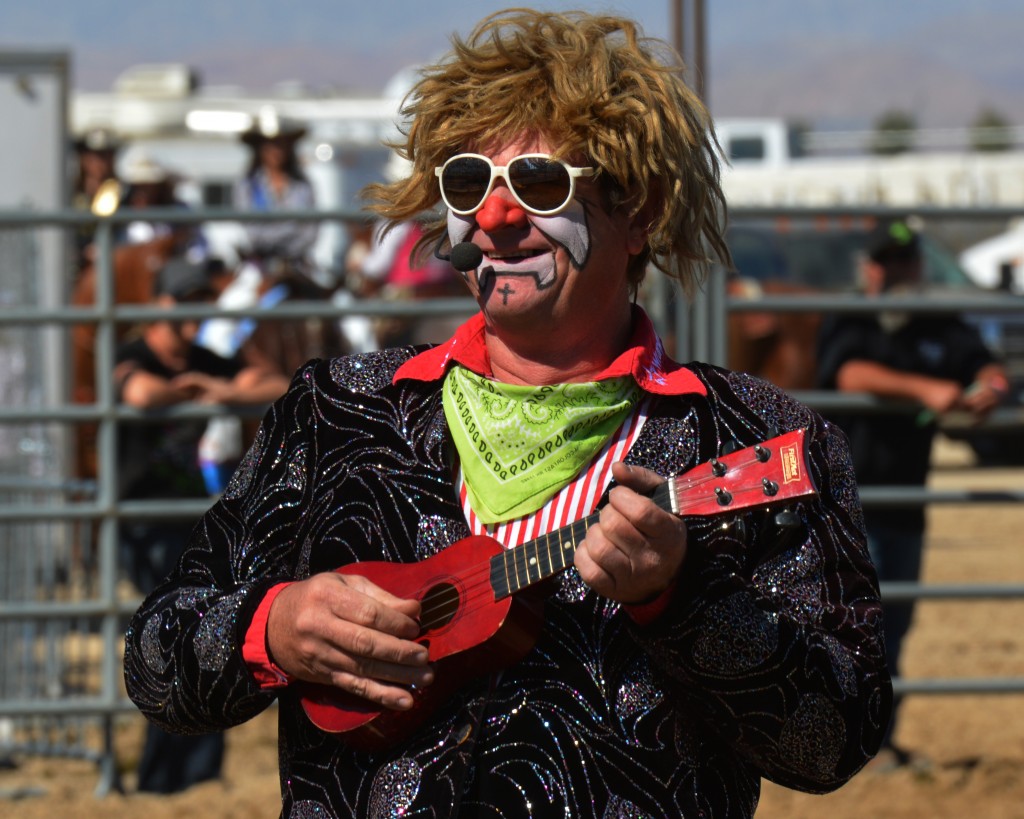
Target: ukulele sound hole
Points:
(439, 606)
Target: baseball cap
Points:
(893, 240)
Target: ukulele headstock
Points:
(772, 471)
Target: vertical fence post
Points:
(106, 496)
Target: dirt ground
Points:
(973, 744)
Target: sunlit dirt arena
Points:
(972, 746)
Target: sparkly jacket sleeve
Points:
(774, 633)
(183, 663)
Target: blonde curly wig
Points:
(600, 92)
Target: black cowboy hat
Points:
(270, 126)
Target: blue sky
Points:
(255, 43)
(100, 32)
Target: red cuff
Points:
(254, 649)
(644, 614)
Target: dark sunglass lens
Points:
(465, 182)
(541, 183)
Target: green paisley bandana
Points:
(520, 445)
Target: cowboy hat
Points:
(139, 168)
(269, 125)
(96, 140)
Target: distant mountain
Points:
(943, 61)
(851, 88)
(827, 63)
(845, 87)
(260, 68)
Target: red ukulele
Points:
(473, 620)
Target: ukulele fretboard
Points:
(545, 556)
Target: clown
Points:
(677, 661)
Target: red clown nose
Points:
(498, 213)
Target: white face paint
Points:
(567, 229)
(543, 278)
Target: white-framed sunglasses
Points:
(543, 185)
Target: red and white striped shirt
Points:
(574, 501)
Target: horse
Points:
(135, 267)
(778, 347)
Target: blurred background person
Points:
(141, 249)
(149, 184)
(276, 264)
(275, 182)
(934, 360)
(95, 187)
(162, 367)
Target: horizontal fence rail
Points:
(1004, 419)
(85, 515)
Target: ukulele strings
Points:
(481, 591)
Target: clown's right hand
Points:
(345, 631)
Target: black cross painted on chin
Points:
(506, 291)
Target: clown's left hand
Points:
(636, 549)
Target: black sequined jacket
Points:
(766, 663)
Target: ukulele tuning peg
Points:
(761, 453)
(787, 519)
(730, 446)
(770, 487)
(718, 468)
(723, 495)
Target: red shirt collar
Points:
(644, 358)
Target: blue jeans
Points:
(150, 550)
(896, 552)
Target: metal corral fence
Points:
(710, 313)
(63, 600)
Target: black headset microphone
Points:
(466, 256)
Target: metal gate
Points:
(62, 603)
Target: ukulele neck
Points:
(514, 569)
(536, 560)
(771, 472)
